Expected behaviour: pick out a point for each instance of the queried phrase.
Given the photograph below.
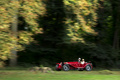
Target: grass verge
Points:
(59, 75)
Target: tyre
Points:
(88, 68)
(66, 67)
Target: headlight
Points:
(57, 65)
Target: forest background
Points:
(44, 32)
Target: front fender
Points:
(88, 64)
(58, 66)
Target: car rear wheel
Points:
(88, 68)
(66, 67)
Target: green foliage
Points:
(41, 66)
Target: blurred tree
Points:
(14, 29)
(5, 32)
(81, 17)
(63, 29)
(116, 18)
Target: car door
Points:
(74, 64)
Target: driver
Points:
(79, 60)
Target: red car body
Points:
(73, 65)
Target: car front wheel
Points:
(88, 68)
(66, 67)
(57, 68)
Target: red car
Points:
(74, 65)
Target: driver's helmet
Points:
(79, 58)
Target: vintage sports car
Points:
(74, 65)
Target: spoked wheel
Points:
(66, 67)
(88, 68)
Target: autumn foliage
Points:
(70, 28)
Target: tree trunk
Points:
(116, 18)
(116, 39)
(13, 59)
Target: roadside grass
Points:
(59, 75)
